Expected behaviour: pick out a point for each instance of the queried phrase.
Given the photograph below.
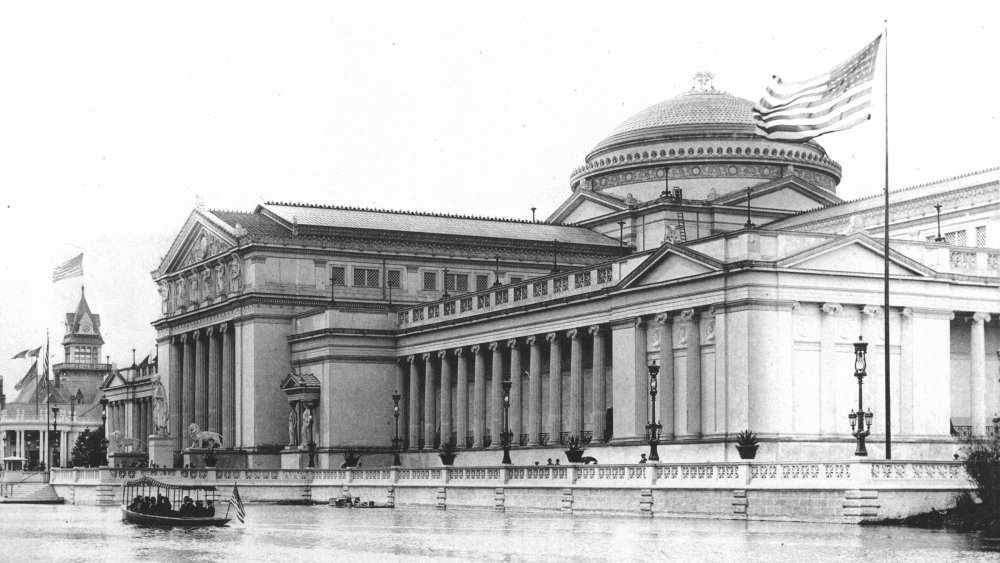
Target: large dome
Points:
(698, 114)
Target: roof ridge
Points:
(420, 213)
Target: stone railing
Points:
(546, 288)
(850, 474)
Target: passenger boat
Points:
(149, 502)
(356, 502)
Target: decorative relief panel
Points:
(630, 177)
(725, 171)
(205, 246)
(815, 178)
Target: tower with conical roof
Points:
(82, 341)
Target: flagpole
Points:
(885, 252)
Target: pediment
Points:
(113, 379)
(585, 205)
(671, 262)
(790, 193)
(200, 240)
(856, 253)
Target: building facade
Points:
(726, 259)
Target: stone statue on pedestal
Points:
(307, 426)
(160, 417)
(293, 429)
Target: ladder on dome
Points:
(681, 232)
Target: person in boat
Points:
(163, 506)
(210, 510)
(199, 509)
(134, 507)
(187, 509)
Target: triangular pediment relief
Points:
(788, 193)
(585, 205)
(200, 240)
(112, 379)
(856, 253)
(670, 262)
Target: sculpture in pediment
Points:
(234, 275)
(205, 246)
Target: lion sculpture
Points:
(199, 437)
(118, 442)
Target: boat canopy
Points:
(148, 482)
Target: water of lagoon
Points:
(319, 533)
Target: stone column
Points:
(214, 381)
(413, 428)
(641, 377)
(136, 408)
(554, 425)
(693, 371)
(144, 419)
(228, 385)
(665, 399)
(429, 388)
(404, 397)
(189, 394)
(515, 391)
(977, 371)
(904, 406)
(479, 397)
(461, 396)
(598, 405)
(872, 331)
(534, 391)
(201, 379)
(828, 371)
(445, 396)
(496, 395)
(575, 383)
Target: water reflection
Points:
(319, 533)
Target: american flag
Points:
(833, 101)
(69, 269)
(237, 503)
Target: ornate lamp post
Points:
(397, 442)
(104, 425)
(939, 238)
(861, 422)
(506, 437)
(653, 428)
(55, 449)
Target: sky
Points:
(117, 117)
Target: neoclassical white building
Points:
(725, 258)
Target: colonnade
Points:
(428, 379)
(133, 417)
(17, 445)
(202, 383)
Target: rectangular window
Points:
(394, 278)
(404, 316)
(981, 236)
(482, 282)
(430, 281)
(516, 279)
(337, 275)
(955, 238)
(457, 282)
(365, 277)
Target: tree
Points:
(91, 449)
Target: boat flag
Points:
(68, 269)
(833, 101)
(29, 353)
(236, 502)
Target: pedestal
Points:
(293, 457)
(161, 452)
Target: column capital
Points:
(180, 338)
(979, 318)
(427, 356)
(494, 346)
(475, 349)
(573, 333)
(687, 316)
(459, 351)
(832, 308)
(512, 343)
(907, 313)
(442, 354)
(209, 331)
(531, 340)
(224, 327)
(196, 334)
(411, 358)
(552, 336)
(594, 330)
(871, 310)
(662, 318)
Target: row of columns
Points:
(132, 417)
(18, 446)
(202, 383)
(507, 360)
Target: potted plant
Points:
(352, 458)
(448, 452)
(575, 452)
(209, 457)
(747, 444)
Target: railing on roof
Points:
(554, 286)
(79, 365)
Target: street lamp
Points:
(506, 437)
(939, 237)
(55, 429)
(396, 441)
(653, 428)
(861, 422)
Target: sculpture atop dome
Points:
(703, 83)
